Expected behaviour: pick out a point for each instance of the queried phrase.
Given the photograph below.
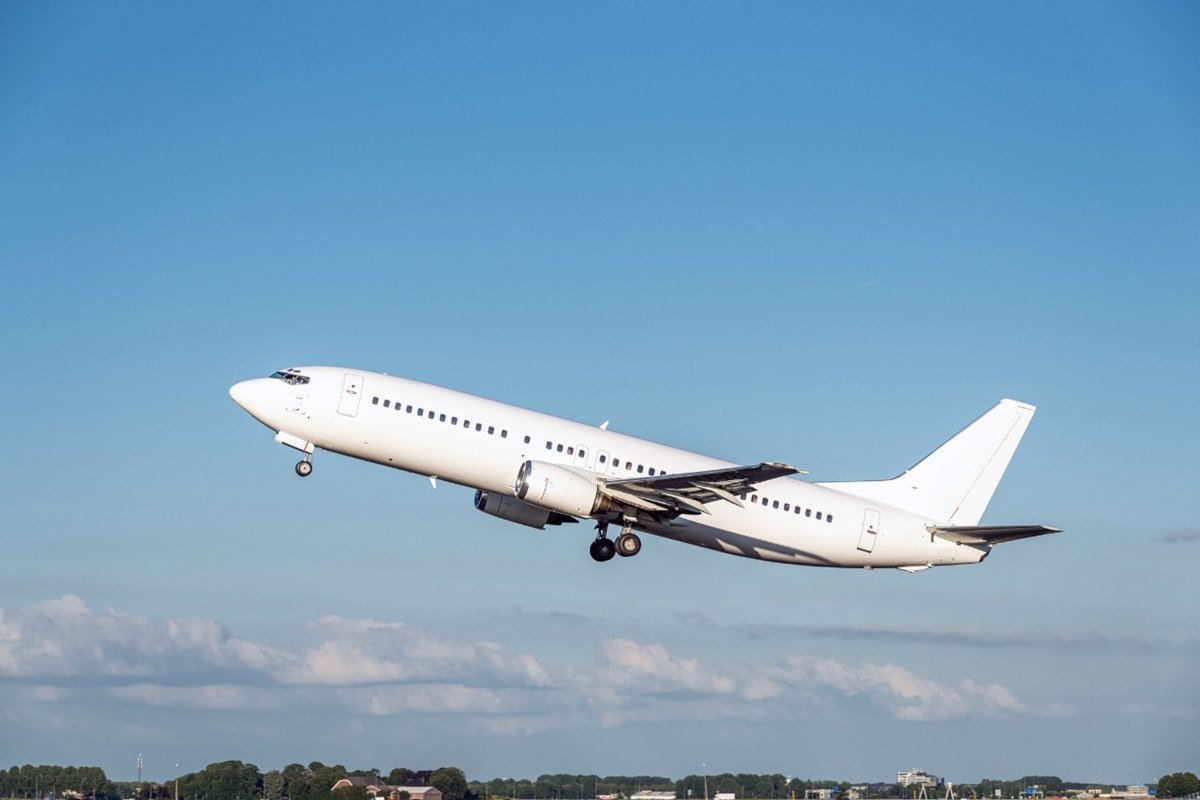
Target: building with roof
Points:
(378, 789)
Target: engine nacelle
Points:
(559, 489)
(514, 510)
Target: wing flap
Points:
(988, 534)
(689, 492)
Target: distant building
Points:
(652, 796)
(724, 796)
(378, 789)
(917, 777)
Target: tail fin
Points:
(954, 483)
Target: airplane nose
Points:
(240, 392)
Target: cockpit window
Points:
(290, 376)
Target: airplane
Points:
(537, 470)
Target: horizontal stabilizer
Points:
(988, 534)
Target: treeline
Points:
(236, 780)
(47, 780)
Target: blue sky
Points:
(828, 234)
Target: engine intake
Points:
(559, 489)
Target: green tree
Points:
(400, 776)
(450, 781)
(273, 785)
(1178, 784)
(224, 780)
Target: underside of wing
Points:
(689, 492)
(988, 534)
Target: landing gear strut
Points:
(304, 468)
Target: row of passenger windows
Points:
(808, 512)
(433, 416)
(604, 458)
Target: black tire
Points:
(602, 549)
(303, 468)
(628, 544)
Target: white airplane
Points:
(537, 470)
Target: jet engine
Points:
(514, 510)
(559, 489)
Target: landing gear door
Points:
(351, 391)
(870, 531)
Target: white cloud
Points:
(366, 651)
(63, 637)
(901, 692)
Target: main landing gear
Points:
(304, 468)
(627, 544)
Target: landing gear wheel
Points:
(602, 549)
(628, 544)
(303, 468)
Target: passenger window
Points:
(603, 459)
(628, 465)
(491, 429)
(559, 448)
(742, 496)
(526, 440)
(640, 469)
(374, 401)
(797, 509)
(442, 418)
(387, 403)
(808, 512)
(408, 409)
(775, 504)
(503, 434)
(753, 498)
(454, 420)
(478, 426)
(764, 501)
(397, 407)
(549, 445)
(818, 515)
(582, 453)
(570, 451)
(787, 506)
(652, 470)
(829, 517)
(466, 423)
(420, 412)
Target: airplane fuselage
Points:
(480, 443)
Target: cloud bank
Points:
(62, 650)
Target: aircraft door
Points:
(603, 466)
(870, 531)
(351, 391)
(582, 451)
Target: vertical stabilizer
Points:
(954, 483)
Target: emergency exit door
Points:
(870, 531)
(351, 390)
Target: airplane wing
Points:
(988, 534)
(688, 492)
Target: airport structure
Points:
(917, 777)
